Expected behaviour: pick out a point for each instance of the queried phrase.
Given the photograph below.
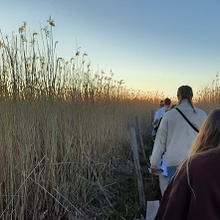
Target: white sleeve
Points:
(160, 143)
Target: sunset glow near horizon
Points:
(151, 45)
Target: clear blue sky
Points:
(153, 45)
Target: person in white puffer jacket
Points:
(175, 135)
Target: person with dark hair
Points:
(162, 166)
(177, 131)
(161, 104)
(167, 103)
(194, 191)
(159, 114)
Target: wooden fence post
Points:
(138, 170)
(140, 136)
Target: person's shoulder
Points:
(158, 110)
(170, 115)
(171, 112)
(201, 162)
(200, 111)
(161, 109)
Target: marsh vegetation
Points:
(65, 141)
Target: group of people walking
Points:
(187, 146)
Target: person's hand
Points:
(153, 169)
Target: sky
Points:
(153, 45)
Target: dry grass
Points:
(59, 155)
(208, 98)
(64, 130)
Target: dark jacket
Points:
(179, 201)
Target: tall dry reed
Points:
(208, 98)
(64, 130)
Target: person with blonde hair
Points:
(194, 191)
(177, 131)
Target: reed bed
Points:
(64, 130)
(208, 98)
